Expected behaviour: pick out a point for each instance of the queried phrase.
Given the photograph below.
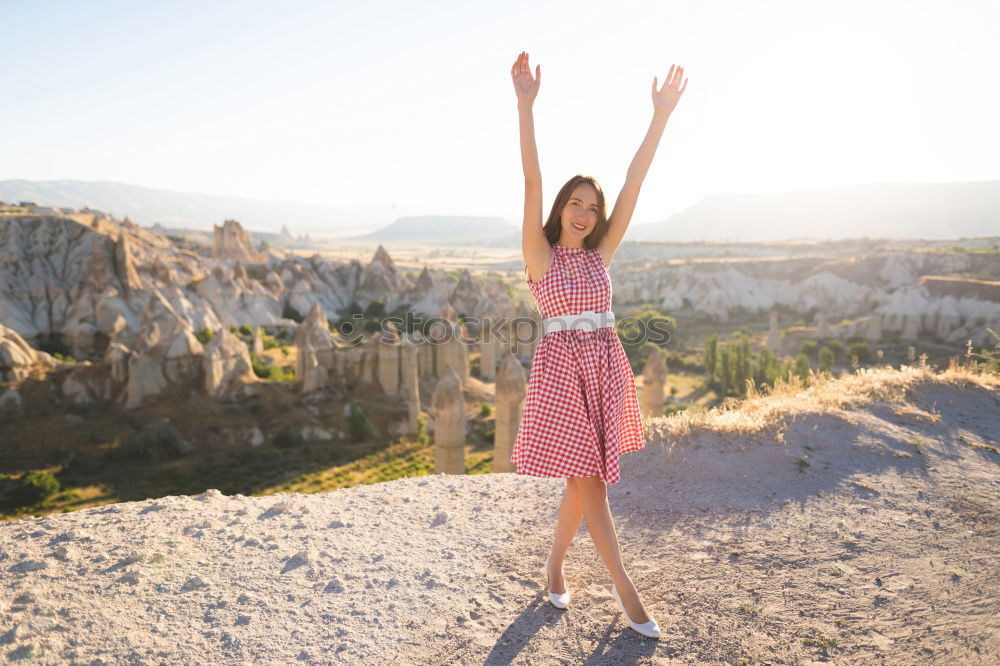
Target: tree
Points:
(711, 356)
(726, 369)
(644, 326)
(861, 350)
(826, 359)
(802, 367)
(766, 368)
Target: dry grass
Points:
(768, 412)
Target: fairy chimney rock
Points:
(257, 341)
(125, 266)
(449, 425)
(448, 312)
(511, 390)
(389, 360)
(773, 341)
(226, 363)
(654, 376)
(410, 382)
(231, 241)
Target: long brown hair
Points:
(553, 226)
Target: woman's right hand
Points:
(525, 86)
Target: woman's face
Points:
(579, 215)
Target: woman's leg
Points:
(570, 515)
(594, 497)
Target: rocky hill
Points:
(890, 293)
(147, 206)
(442, 229)
(851, 522)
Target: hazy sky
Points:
(411, 102)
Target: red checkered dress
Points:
(581, 412)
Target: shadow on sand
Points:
(618, 644)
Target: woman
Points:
(581, 411)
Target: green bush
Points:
(634, 329)
(290, 312)
(246, 330)
(270, 343)
(826, 359)
(730, 364)
(205, 335)
(32, 489)
(809, 348)
(361, 427)
(802, 368)
(272, 373)
(675, 407)
(422, 435)
(160, 441)
(766, 368)
(989, 358)
(861, 350)
(485, 409)
(53, 344)
(354, 319)
(259, 367)
(287, 437)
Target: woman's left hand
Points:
(666, 98)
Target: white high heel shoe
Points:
(649, 629)
(557, 600)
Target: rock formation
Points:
(410, 382)
(468, 294)
(166, 357)
(257, 341)
(316, 348)
(654, 378)
(381, 278)
(527, 331)
(17, 359)
(389, 355)
(448, 411)
(231, 242)
(449, 351)
(773, 337)
(226, 365)
(511, 390)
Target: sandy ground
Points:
(878, 547)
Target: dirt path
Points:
(879, 546)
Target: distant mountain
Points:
(442, 229)
(887, 210)
(147, 206)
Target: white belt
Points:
(586, 320)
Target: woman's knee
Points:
(591, 484)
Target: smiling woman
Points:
(581, 412)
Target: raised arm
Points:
(534, 246)
(664, 101)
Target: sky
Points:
(412, 102)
